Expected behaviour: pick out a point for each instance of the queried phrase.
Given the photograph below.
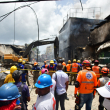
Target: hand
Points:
(75, 95)
(17, 107)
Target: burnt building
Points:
(99, 41)
(73, 37)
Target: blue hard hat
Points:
(9, 91)
(43, 81)
(54, 60)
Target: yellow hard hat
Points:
(78, 61)
(20, 60)
(69, 61)
(74, 60)
(51, 61)
(23, 62)
(12, 69)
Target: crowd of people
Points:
(51, 85)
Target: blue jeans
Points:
(86, 98)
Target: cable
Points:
(81, 5)
(15, 10)
(14, 24)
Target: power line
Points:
(5, 15)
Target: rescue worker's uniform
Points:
(51, 68)
(45, 65)
(9, 78)
(96, 69)
(36, 72)
(101, 82)
(74, 69)
(87, 83)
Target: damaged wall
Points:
(74, 34)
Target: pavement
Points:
(69, 104)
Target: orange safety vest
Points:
(74, 67)
(64, 63)
(46, 66)
(88, 80)
(68, 66)
(96, 70)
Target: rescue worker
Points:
(101, 82)
(35, 73)
(9, 78)
(20, 65)
(78, 62)
(45, 99)
(96, 68)
(63, 62)
(8, 97)
(45, 65)
(25, 73)
(74, 68)
(55, 64)
(85, 86)
(51, 68)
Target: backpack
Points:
(23, 106)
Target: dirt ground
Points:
(69, 104)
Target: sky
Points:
(50, 15)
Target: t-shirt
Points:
(25, 91)
(62, 78)
(46, 102)
(52, 87)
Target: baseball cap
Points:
(105, 90)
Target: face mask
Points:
(106, 104)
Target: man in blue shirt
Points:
(17, 76)
(35, 73)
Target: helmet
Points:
(43, 81)
(45, 62)
(23, 62)
(16, 74)
(51, 61)
(105, 70)
(19, 60)
(63, 59)
(69, 61)
(35, 63)
(60, 61)
(96, 61)
(74, 60)
(9, 91)
(12, 69)
(78, 61)
(44, 70)
(86, 63)
(54, 60)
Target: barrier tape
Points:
(49, 71)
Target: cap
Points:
(105, 90)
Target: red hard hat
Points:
(105, 70)
(86, 63)
(96, 61)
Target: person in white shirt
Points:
(45, 99)
(105, 92)
(61, 79)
